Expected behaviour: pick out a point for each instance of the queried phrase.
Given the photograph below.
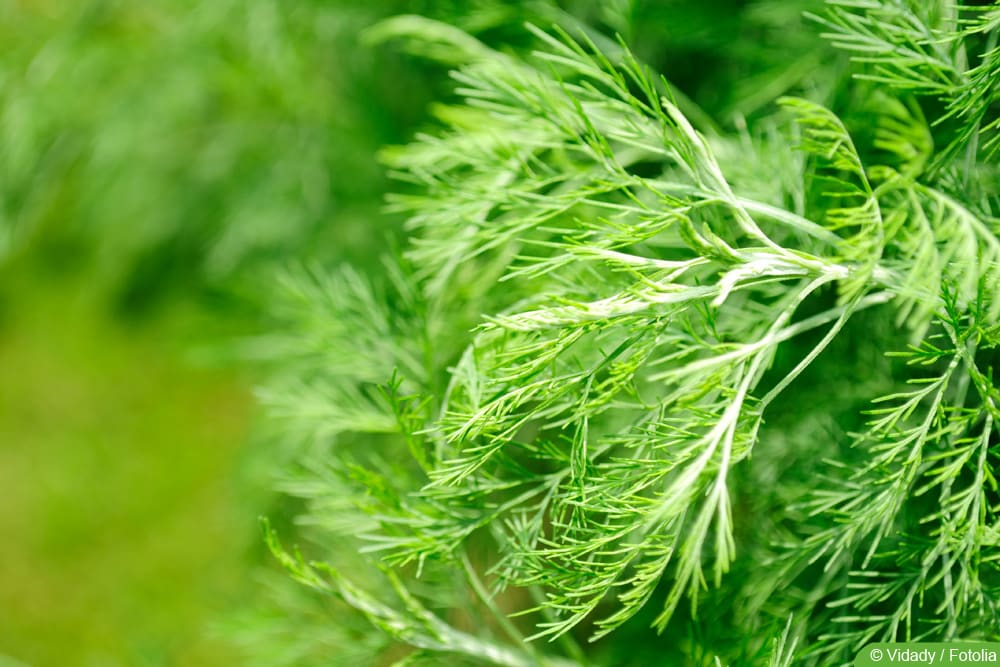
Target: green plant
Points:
(737, 385)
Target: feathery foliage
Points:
(731, 379)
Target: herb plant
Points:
(645, 387)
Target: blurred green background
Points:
(124, 528)
(157, 160)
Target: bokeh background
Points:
(159, 161)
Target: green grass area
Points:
(124, 535)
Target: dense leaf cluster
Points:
(729, 374)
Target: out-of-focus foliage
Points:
(185, 141)
(148, 149)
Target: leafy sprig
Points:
(605, 308)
